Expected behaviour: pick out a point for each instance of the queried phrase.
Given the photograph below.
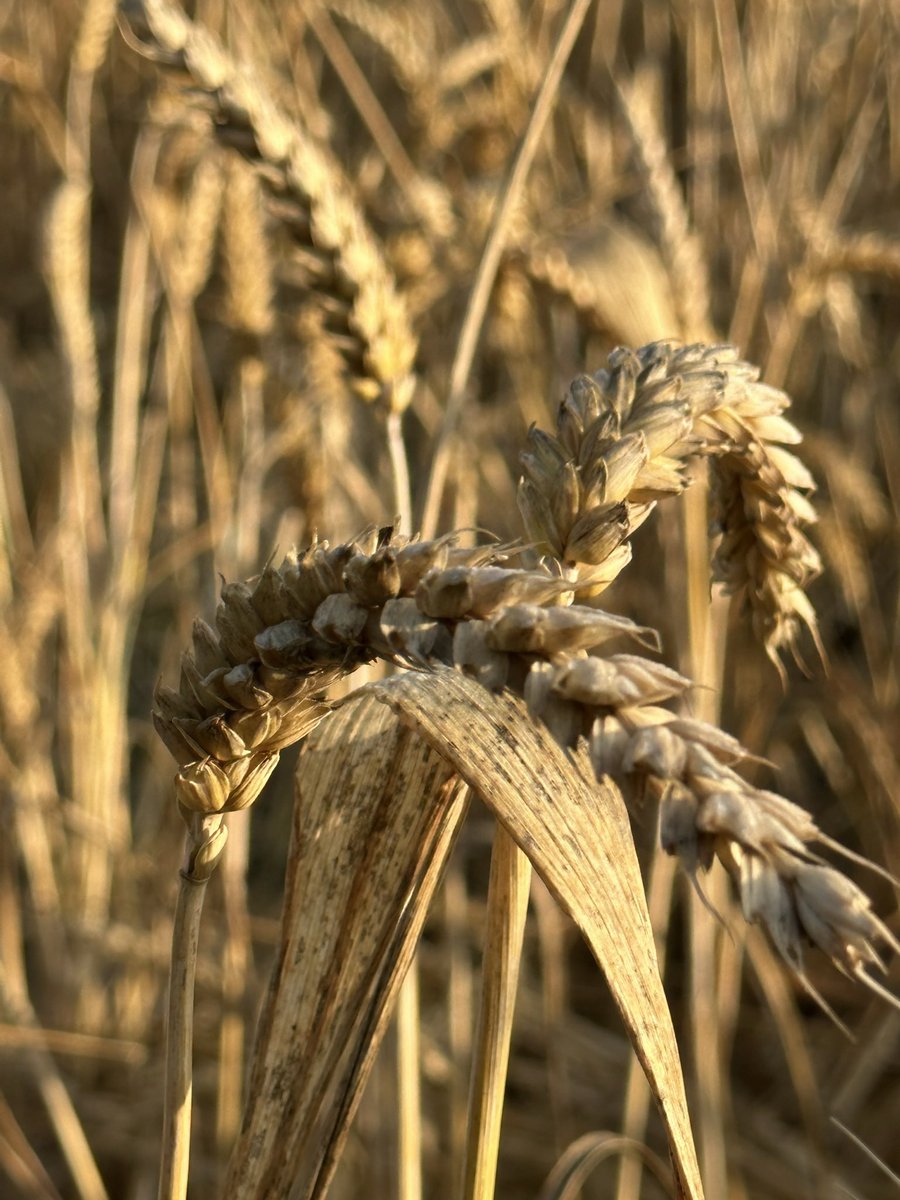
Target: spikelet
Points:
(336, 256)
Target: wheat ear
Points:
(257, 683)
(336, 256)
(623, 439)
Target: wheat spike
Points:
(257, 682)
(678, 243)
(622, 441)
(336, 255)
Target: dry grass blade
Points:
(374, 821)
(582, 848)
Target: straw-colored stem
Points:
(460, 992)
(399, 473)
(173, 1176)
(635, 1110)
(490, 261)
(236, 959)
(409, 1087)
(708, 1064)
(507, 905)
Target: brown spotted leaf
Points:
(374, 821)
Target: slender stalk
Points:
(507, 905)
(635, 1110)
(490, 261)
(173, 1176)
(460, 991)
(409, 1147)
(410, 1090)
(399, 472)
(236, 959)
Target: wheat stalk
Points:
(258, 681)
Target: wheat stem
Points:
(635, 1108)
(409, 1086)
(399, 472)
(180, 1041)
(507, 905)
(205, 841)
(490, 261)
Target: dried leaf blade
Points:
(577, 834)
(374, 821)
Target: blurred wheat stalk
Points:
(213, 366)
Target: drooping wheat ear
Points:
(256, 683)
(623, 439)
(337, 257)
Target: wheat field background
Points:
(204, 362)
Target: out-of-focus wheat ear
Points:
(611, 274)
(688, 275)
(247, 252)
(336, 256)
